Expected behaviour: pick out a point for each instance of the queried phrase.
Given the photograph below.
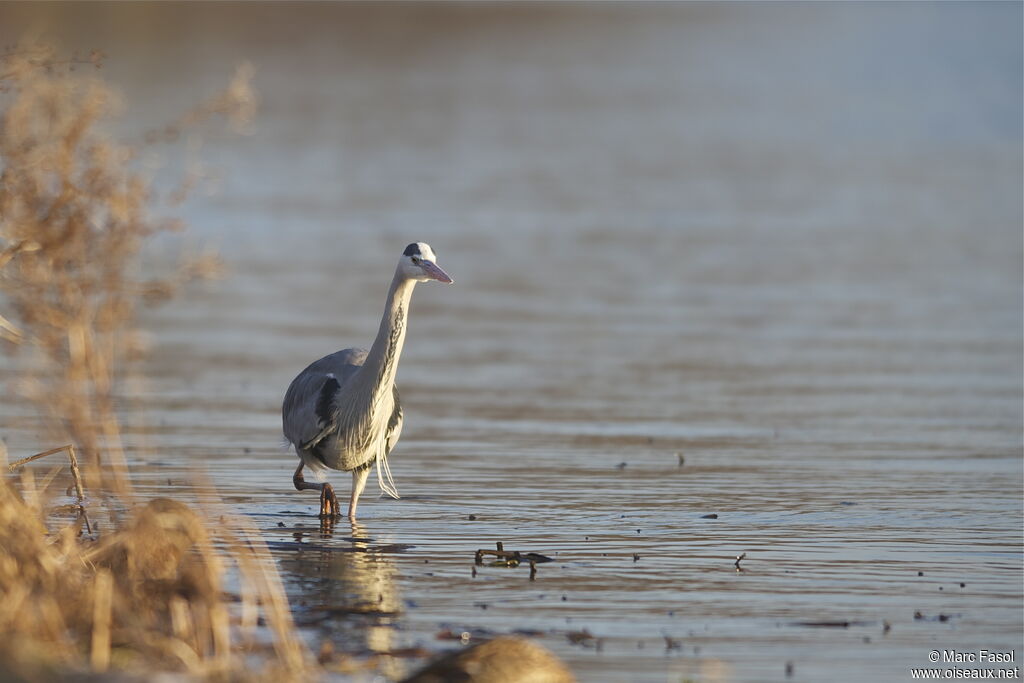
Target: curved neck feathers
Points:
(381, 362)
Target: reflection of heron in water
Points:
(349, 592)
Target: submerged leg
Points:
(328, 501)
(359, 478)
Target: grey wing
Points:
(308, 412)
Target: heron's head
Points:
(419, 263)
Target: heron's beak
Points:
(434, 272)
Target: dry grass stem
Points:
(75, 471)
(76, 475)
(101, 596)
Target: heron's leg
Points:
(300, 481)
(359, 478)
(328, 501)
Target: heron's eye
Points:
(416, 260)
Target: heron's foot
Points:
(329, 503)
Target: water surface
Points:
(782, 242)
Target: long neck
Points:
(382, 361)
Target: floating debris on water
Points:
(739, 558)
(713, 515)
(511, 558)
(465, 636)
(584, 638)
(830, 624)
(511, 554)
(919, 616)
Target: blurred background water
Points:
(781, 240)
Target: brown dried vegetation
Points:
(149, 596)
(150, 593)
(74, 215)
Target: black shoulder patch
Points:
(326, 400)
(412, 250)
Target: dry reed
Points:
(150, 594)
(74, 215)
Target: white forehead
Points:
(426, 252)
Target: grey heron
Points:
(342, 412)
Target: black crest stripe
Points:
(412, 250)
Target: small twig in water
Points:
(18, 463)
(75, 473)
(739, 558)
